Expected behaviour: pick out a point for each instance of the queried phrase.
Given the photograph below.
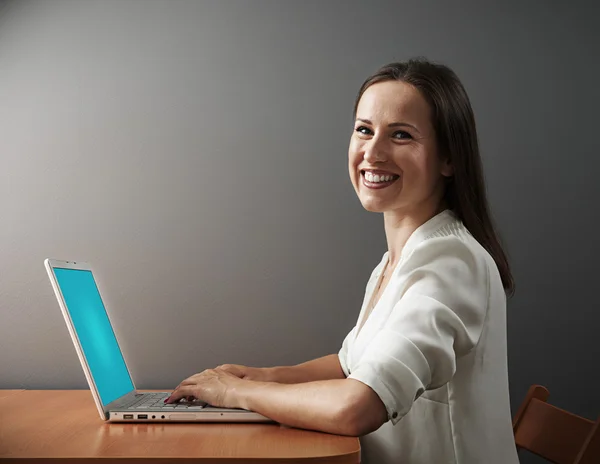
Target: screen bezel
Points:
(50, 264)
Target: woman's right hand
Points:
(248, 373)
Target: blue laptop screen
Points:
(95, 333)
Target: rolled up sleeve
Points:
(343, 353)
(438, 316)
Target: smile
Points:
(377, 181)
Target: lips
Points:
(378, 179)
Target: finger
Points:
(187, 382)
(179, 393)
(192, 380)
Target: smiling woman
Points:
(422, 377)
(413, 178)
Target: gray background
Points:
(195, 153)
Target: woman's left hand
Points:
(214, 386)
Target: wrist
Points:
(244, 391)
(237, 394)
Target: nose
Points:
(374, 151)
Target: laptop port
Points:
(127, 416)
(142, 416)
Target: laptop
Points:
(103, 363)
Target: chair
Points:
(553, 433)
(590, 454)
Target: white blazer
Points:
(434, 350)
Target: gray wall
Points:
(195, 153)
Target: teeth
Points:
(377, 178)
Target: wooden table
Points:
(32, 429)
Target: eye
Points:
(363, 130)
(402, 135)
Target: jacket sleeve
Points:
(437, 317)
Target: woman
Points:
(422, 377)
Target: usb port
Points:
(127, 416)
(142, 416)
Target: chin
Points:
(374, 207)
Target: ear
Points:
(447, 168)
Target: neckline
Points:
(419, 234)
(425, 230)
(370, 306)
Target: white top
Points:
(434, 350)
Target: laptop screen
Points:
(95, 333)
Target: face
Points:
(393, 160)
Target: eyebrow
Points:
(394, 124)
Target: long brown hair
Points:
(454, 125)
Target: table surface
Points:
(48, 425)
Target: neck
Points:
(400, 224)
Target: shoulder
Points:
(460, 246)
(449, 260)
(445, 237)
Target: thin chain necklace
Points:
(376, 294)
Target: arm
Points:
(325, 368)
(438, 318)
(341, 407)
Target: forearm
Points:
(320, 405)
(325, 368)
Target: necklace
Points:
(375, 295)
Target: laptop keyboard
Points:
(157, 401)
